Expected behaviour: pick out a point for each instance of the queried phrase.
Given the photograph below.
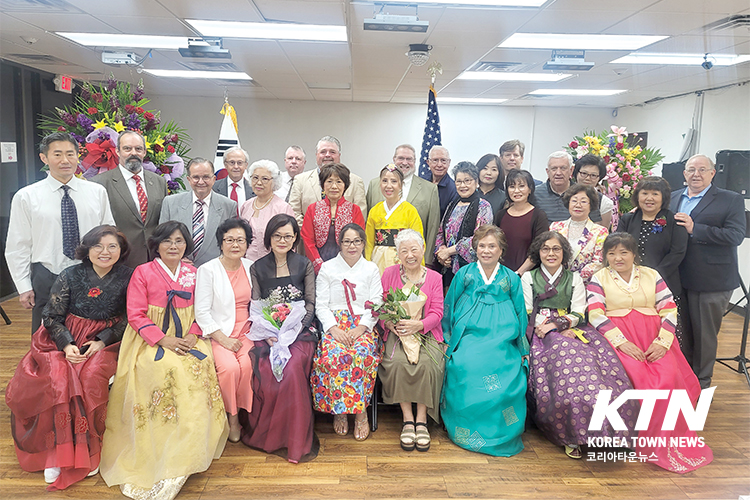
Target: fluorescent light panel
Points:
(469, 100)
(682, 59)
(578, 42)
(127, 41)
(512, 77)
(215, 75)
(577, 92)
(270, 31)
(477, 3)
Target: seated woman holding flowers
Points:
(282, 312)
(346, 362)
(561, 399)
(412, 373)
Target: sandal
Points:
(361, 428)
(408, 437)
(341, 424)
(423, 436)
(573, 452)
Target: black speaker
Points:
(733, 171)
(672, 172)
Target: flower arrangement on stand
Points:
(99, 114)
(626, 165)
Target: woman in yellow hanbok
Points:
(166, 418)
(388, 217)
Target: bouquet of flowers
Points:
(97, 117)
(276, 314)
(280, 321)
(405, 303)
(626, 165)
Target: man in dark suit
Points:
(234, 186)
(200, 209)
(135, 195)
(417, 191)
(715, 220)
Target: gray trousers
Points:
(702, 315)
(42, 280)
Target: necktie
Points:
(233, 196)
(198, 226)
(142, 200)
(69, 217)
(288, 193)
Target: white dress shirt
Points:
(286, 185)
(35, 229)
(241, 198)
(206, 201)
(130, 183)
(406, 186)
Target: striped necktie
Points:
(199, 227)
(69, 218)
(142, 199)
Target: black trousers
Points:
(42, 280)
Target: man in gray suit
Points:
(135, 195)
(235, 186)
(417, 191)
(200, 209)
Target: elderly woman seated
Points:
(416, 378)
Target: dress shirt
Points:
(206, 201)
(688, 203)
(286, 185)
(241, 198)
(35, 229)
(406, 187)
(130, 183)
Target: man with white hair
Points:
(294, 163)
(439, 161)
(306, 189)
(549, 195)
(235, 186)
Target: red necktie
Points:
(142, 200)
(233, 196)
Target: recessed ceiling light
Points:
(478, 3)
(498, 76)
(215, 75)
(682, 59)
(577, 92)
(582, 42)
(270, 31)
(129, 41)
(470, 100)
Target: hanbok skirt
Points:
(343, 378)
(565, 377)
(58, 408)
(670, 372)
(384, 256)
(166, 418)
(403, 382)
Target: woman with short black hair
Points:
(491, 181)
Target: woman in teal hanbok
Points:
(484, 393)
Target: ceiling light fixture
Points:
(270, 31)
(577, 92)
(419, 53)
(497, 76)
(404, 24)
(215, 75)
(127, 41)
(682, 59)
(470, 100)
(582, 42)
(475, 3)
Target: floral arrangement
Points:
(658, 225)
(99, 114)
(626, 165)
(276, 314)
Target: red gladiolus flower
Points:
(98, 98)
(619, 145)
(139, 110)
(61, 129)
(148, 116)
(92, 110)
(101, 154)
(170, 149)
(573, 144)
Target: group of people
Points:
(236, 310)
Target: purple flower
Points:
(114, 103)
(111, 83)
(79, 138)
(85, 122)
(134, 121)
(85, 94)
(173, 186)
(67, 118)
(138, 94)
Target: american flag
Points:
(431, 134)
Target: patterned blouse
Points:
(453, 228)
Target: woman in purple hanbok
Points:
(570, 361)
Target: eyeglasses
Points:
(584, 201)
(557, 169)
(201, 178)
(404, 158)
(356, 242)
(110, 248)
(263, 180)
(128, 149)
(232, 163)
(465, 182)
(702, 171)
(443, 161)
(584, 175)
(546, 250)
(232, 241)
(177, 243)
(287, 238)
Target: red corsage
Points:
(95, 292)
(658, 225)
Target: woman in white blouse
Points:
(346, 361)
(222, 297)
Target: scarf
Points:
(469, 222)
(322, 219)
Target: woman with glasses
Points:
(491, 181)
(570, 362)
(265, 178)
(388, 217)
(222, 300)
(324, 219)
(58, 395)
(585, 237)
(281, 421)
(346, 362)
(464, 215)
(589, 170)
(165, 418)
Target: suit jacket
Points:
(665, 250)
(424, 196)
(221, 187)
(128, 216)
(179, 207)
(214, 297)
(306, 191)
(710, 264)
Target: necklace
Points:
(278, 266)
(255, 205)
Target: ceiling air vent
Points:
(496, 66)
(729, 23)
(37, 59)
(38, 6)
(209, 66)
